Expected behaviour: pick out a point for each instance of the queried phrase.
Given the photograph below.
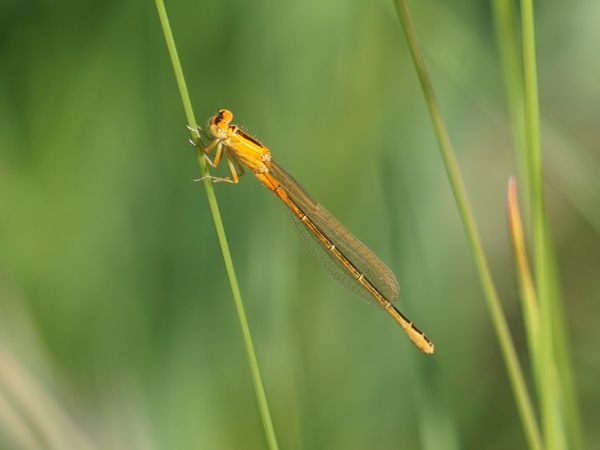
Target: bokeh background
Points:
(117, 327)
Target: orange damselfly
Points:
(349, 260)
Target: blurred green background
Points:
(117, 327)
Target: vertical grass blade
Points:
(522, 398)
(214, 209)
(518, 72)
(510, 57)
(558, 396)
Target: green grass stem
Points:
(549, 395)
(218, 222)
(527, 145)
(515, 374)
(510, 57)
(559, 399)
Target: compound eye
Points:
(221, 119)
(225, 115)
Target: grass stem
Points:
(558, 398)
(520, 76)
(510, 57)
(522, 398)
(220, 231)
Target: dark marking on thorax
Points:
(247, 136)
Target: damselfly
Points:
(349, 260)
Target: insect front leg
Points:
(218, 153)
(234, 178)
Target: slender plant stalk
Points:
(558, 394)
(515, 373)
(214, 208)
(510, 56)
(548, 394)
(514, 68)
(546, 372)
(532, 139)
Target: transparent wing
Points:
(363, 259)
